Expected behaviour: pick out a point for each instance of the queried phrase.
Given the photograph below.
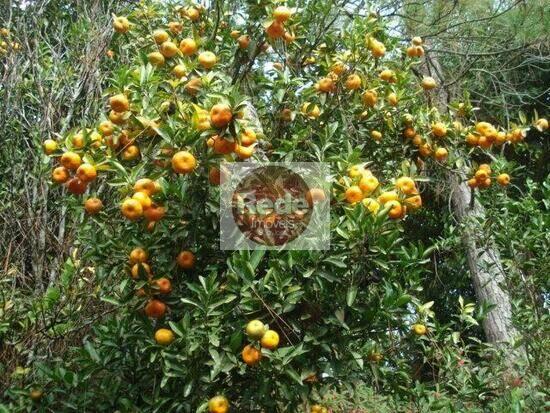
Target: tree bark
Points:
(482, 256)
(484, 264)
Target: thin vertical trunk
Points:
(484, 264)
(483, 258)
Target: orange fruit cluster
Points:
(365, 188)
(141, 203)
(482, 178)
(275, 28)
(258, 332)
(415, 49)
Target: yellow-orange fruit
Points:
(186, 260)
(93, 205)
(183, 162)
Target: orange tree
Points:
(199, 329)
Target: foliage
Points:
(344, 315)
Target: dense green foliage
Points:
(70, 322)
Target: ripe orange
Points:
(425, 149)
(244, 152)
(417, 140)
(368, 184)
(78, 141)
(541, 124)
(392, 99)
(164, 336)
(409, 133)
(270, 340)
(70, 160)
(441, 154)
(138, 255)
(371, 204)
(218, 404)
(207, 60)
(485, 184)
(326, 85)
(370, 97)
(160, 36)
(49, 146)
(156, 59)
(472, 139)
(396, 209)
(60, 175)
(282, 14)
(377, 48)
(428, 83)
(121, 25)
(472, 183)
(353, 82)
(106, 128)
(135, 271)
(143, 199)
(164, 285)
(186, 260)
(169, 49)
(417, 40)
(503, 179)
(406, 185)
(248, 137)
(354, 194)
(179, 71)
(183, 162)
(414, 202)
(419, 329)
(481, 174)
(275, 30)
(243, 41)
(131, 209)
(192, 14)
(119, 103)
(220, 115)
(376, 135)
(251, 355)
(188, 47)
(439, 130)
(130, 153)
(411, 51)
(93, 205)
(86, 172)
(388, 196)
(117, 118)
(485, 167)
(154, 213)
(286, 115)
(175, 27)
(76, 186)
(145, 185)
(388, 75)
(155, 309)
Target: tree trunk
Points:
(484, 264)
(483, 259)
